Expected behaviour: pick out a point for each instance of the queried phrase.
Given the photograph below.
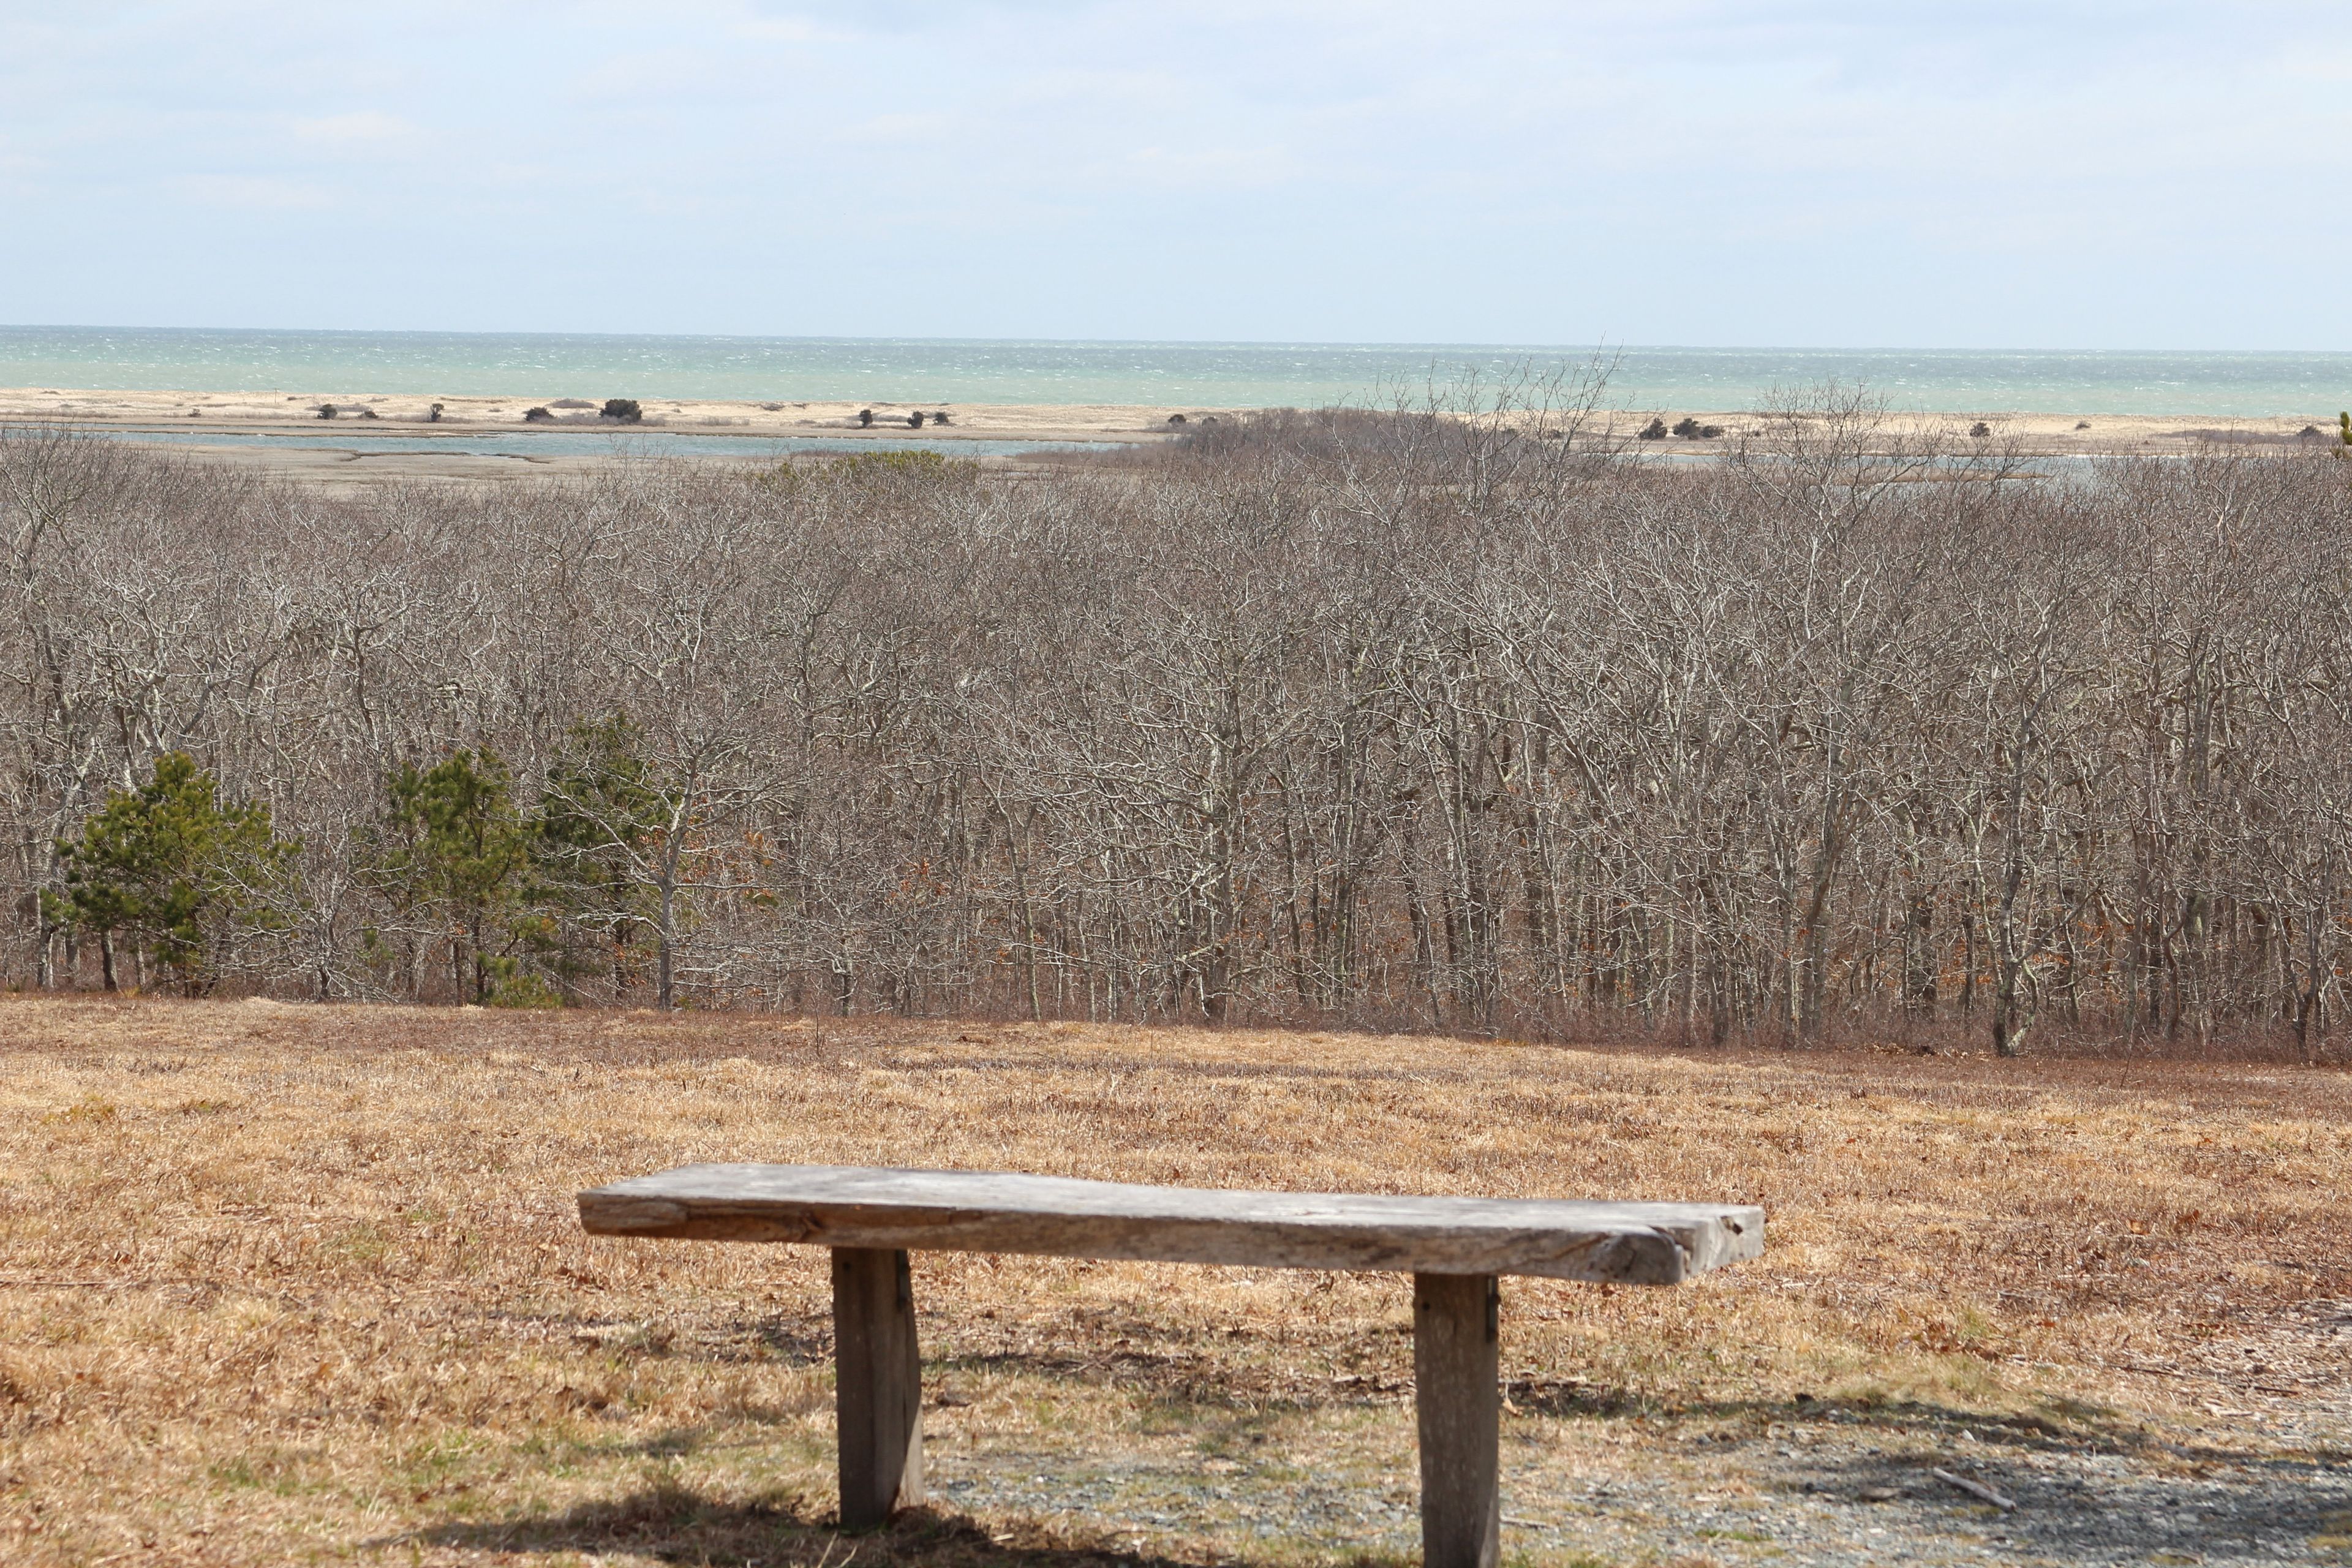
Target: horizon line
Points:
(1595, 349)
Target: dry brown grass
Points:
(305, 1283)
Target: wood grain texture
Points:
(1457, 1401)
(879, 1385)
(977, 1211)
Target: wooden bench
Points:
(1454, 1248)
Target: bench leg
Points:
(1459, 1399)
(879, 1396)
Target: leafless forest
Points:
(1838, 734)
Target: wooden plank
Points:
(1457, 1399)
(977, 1211)
(879, 1385)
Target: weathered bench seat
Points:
(1454, 1248)
(978, 1211)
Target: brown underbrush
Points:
(305, 1283)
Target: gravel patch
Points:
(1829, 1485)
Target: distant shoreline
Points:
(376, 438)
(359, 416)
(2308, 385)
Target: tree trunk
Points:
(662, 987)
(1919, 956)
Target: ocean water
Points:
(1205, 375)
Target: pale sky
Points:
(1705, 171)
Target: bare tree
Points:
(1466, 713)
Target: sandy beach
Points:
(357, 412)
(359, 420)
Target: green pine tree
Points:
(600, 808)
(164, 864)
(453, 843)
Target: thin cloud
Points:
(362, 128)
(1685, 169)
(252, 193)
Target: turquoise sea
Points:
(1206, 375)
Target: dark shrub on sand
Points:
(327, 411)
(537, 417)
(1655, 430)
(1980, 429)
(621, 410)
(866, 416)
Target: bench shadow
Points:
(677, 1524)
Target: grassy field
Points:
(298, 1283)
